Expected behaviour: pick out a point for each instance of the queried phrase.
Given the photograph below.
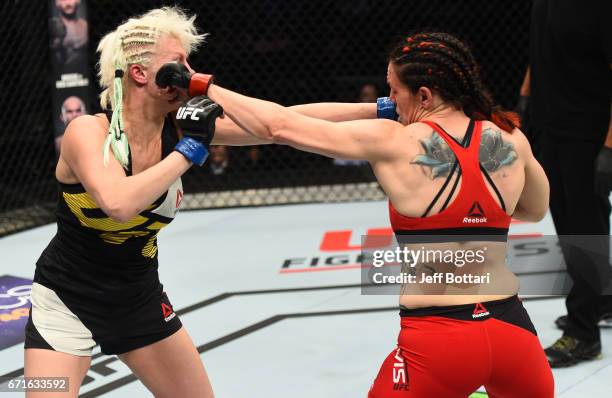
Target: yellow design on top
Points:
(114, 232)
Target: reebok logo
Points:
(168, 312)
(475, 215)
(480, 311)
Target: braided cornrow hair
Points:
(134, 42)
(446, 65)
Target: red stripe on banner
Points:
(331, 268)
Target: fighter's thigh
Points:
(520, 368)
(392, 379)
(399, 379)
(48, 363)
(171, 367)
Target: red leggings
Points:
(443, 357)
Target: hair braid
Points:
(446, 65)
(134, 42)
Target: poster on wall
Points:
(69, 39)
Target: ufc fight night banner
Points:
(14, 309)
(69, 37)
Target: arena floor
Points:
(267, 331)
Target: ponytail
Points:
(116, 138)
(480, 106)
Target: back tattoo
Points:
(494, 153)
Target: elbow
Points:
(278, 126)
(542, 210)
(121, 216)
(530, 215)
(276, 136)
(537, 216)
(542, 213)
(533, 207)
(118, 210)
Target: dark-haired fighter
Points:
(457, 154)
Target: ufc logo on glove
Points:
(184, 112)
(193, 107)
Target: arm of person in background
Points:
(533, 202)
(525, 93)
(608, 142)
(370, 140)
(526, 86)
(229, 133)
(603, 161)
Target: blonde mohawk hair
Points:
(133, 42)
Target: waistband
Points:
(452, 235)
(465, 311)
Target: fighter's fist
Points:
(385, 109)
(174, 74)
(197, 120)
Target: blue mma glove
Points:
(385, 109)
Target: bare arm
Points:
(229, 133)
(119, 196)
(526, 86)
(608, 142)
(360, 139)
(337, 111)
(533, 202)
(606, 35)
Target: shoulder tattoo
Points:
(438, 156)
(494, 152)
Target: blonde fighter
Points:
(97, 281)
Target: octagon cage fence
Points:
(287, 51)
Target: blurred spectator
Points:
(368, 93)
(72, 107)
(251, 161)
(219, 162)
(69, 35)
(253, 158)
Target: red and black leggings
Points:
(449, 352)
